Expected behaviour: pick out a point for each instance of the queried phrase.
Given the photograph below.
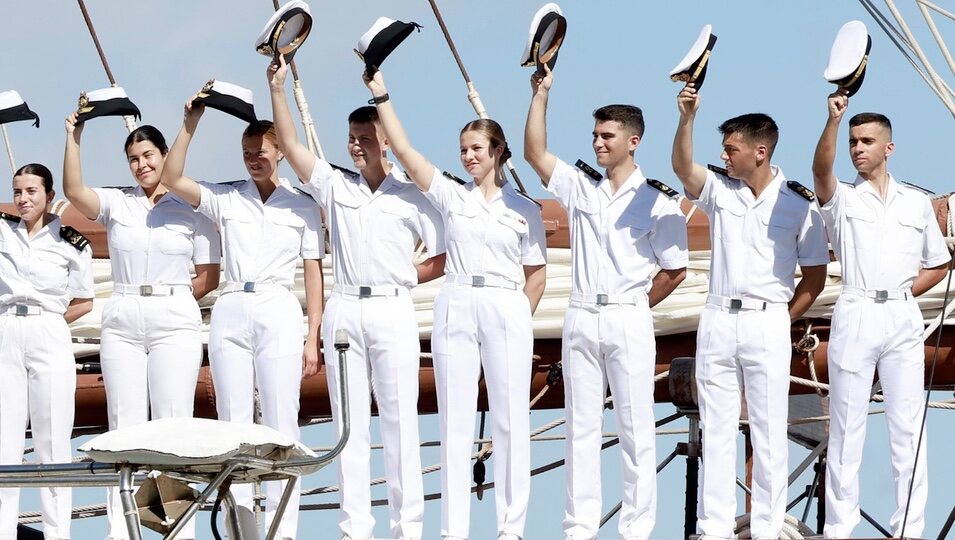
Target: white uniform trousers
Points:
(256, 341)
(489, 326)
(866, 336)
(384, 359)
(612, 344)
(151, 351)
(38, 384)
(737, 349)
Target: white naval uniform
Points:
(151, 347)
(881, 246)
(373, 238)
(38, 278)
(617, 240)
(482, 317)
(256, 337)
(744, 342)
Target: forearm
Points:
(172, 173)
(691, 175)
(823, 158)
(314, 298)
(206, 280)
(83, 198)
(928, 278)
(77, 308)
(430, 269)
(535, 136)
(806, 292)
(300, 158)
(534, 283)
(664, 283)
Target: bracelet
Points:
(378, 100)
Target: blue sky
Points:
(769, 58)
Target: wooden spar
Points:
(311, 136)
(6, 142)
(473, 95)
(130, 121)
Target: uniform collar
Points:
(633, 182)
(53, 225)
(774, 186)
(140, 194)
(391, 180)
(863, 186)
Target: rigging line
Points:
(894, 36)
(936, 84)
(928, 395)
(6, 143)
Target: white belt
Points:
(21, 310)
(747, 304)
(879, 295)
(251, 287)
(370, 291)
(632, 299)
(482, 281)
(150, 290)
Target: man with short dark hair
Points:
(761, 227)
(885, 236)
(622, 226)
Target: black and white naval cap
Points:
(383, 37)
(286, 30)
(228, 98)
(848, 57)
(692, 69)
(544, 38)
(14, 109)
(110, 101)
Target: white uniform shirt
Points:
(490, 238)
(263, 241)
(374, 235)
(882, 245)
(618, 239)
(757, 243)
(46, 270)
(154, 245)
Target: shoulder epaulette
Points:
(124, 189)
(74, 237)
(301, 191)
(918, 188)
(589, 171)
(528, 197)
(347, 172)
(658, 185)
(848, 184)
(802, 190)
(10, 217)
(718, 170)
(450, 176)
(230, 182)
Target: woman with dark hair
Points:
(46, 282)
(494, 278)
(256, 338)
(151, 347)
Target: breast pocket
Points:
(393, 224)
(127, 234)
(634, 225)
(176, 238)
(860, 222)
(729, 222)
(909, 232)
(237, 225)
(288, 229)
(464, 225)
(50, 271)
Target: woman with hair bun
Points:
(151, 346)
(494, 278)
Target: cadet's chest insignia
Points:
(347, 172)
(718, 170)
(453, 178)
(665, 189)
(588, 170)
(8, 217)
(802, 190)
(74, 237)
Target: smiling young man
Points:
(885, 236)
(622, 226)
(761, 227)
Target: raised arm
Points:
(81, 197)
(535, 131)
(418, 168)
(184, 187)
(823, 178)
(299, 156)
(692, 175)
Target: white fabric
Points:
(291, 29)
(262, 242)
(696, 50)
(847, 52)
(10, 99)
(38, 386)
(234, 90)
(45, 270)
(104, 94)
(546, 38)
(154, 245)
(380, 24)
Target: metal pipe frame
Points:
(130, 512)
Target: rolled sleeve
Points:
(534, 243)
(834, 208)
(80, 281)
(320, 182)
(564, 183)
(431, 228)
(209, 200)
(206, 246)
(107, 199)
(812, 249)
(707, 199)
(668, 238)
(313, 236)
(441, 192)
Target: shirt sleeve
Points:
(564, 183)
(430, 227)
(812, 249)
(707, 199)
(668, 236)
(834, 209)
(80, 281)
(313, 236)
(107, 198)
(206, 246)
(534, 243)
(934, 251)
(211, 198)
(320, 182)
(441, 192)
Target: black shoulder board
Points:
(848, 184)
(718, 170)
(10, 217)
(528, 197)
(589, 171)
(917, 187)
(124, 189)
(347, 172)
(74, 237)
(802, 190)
(301, 191)
(231, 182)
(667, 190)
(450, 176)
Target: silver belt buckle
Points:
(602, 299)
(248, 286)
(145, 290)
(22, 310)
(881, 296)
(477, 281)
(736, 303)
(364, 292)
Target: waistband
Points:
(631, 299)
(151, 290)
(370, 291)
(251, 287)
(879, 295)
(743, 304)
(482, 281)
(21, 310)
